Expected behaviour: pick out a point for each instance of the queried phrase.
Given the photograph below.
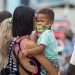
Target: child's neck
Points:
(48, 27)
(44, 28)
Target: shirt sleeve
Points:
(44, 38)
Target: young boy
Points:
(46, 42)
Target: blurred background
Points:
(64, 9)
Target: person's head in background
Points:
(5, 39)
(4, 15)
(44, 18)
(22, 21)
(69, 34)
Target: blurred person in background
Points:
(73, 39)
(68, 48)
(68, 43)
(71, 68)
(4, 34)
(5, 38)
(4, 15)
(66, 53)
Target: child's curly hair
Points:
(48, 12)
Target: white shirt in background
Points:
(72, 61)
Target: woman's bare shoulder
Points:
(28, 43)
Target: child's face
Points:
(42, 19)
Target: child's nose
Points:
(39, 23)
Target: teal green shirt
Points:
(47, 38)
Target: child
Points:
(46, 42)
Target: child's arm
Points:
(28, 47)
(36, 50)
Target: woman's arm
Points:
(47, 64)
(40, 57)
(25, 62)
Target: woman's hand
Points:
(25, 61)
(24, 52)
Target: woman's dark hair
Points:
(22, 21)
(4, 15)
(48, 12)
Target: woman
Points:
(4, 15)
(5, 38)
(22, 26)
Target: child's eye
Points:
(40, 21)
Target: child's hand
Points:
(24, 52)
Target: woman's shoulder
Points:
(28, 43)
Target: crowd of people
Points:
(28, 45)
